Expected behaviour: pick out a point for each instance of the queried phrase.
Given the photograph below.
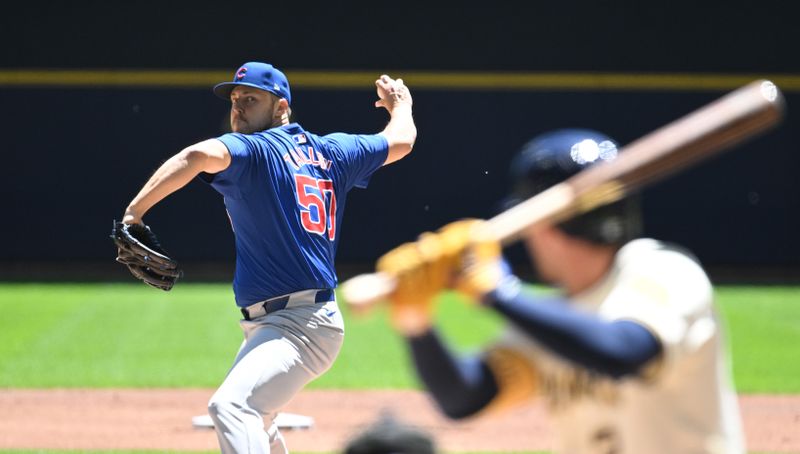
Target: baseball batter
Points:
(285, 192)
(630, 359)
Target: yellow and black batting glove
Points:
(416, 284)
(477, 262)
(423, 269)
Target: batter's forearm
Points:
(460, 386)
(174, 174)
(617, 348)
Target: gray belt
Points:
(277, 303)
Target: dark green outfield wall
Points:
(74, 155)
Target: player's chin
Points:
(240, 126)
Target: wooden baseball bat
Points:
(729, 120)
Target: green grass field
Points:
(115, 335)
(128, 335)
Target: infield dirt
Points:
(160, 419)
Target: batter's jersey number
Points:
(316, 215)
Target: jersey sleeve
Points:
(359, 155)
(672, 297)
(242, 150)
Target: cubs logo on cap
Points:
(240, 74)
(257, 75)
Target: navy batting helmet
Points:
(551, 158)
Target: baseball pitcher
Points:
(285, 190)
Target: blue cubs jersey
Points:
(285, 192)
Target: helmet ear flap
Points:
(616, 223)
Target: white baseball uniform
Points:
(685, 402)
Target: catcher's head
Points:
(553, 157)
(389, 435)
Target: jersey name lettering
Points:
(296, 158)
(566, 385)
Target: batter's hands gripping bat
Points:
(721, 124)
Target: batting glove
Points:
(478, 267)
(423, 269)
(418, 281)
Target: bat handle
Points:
(362, 292)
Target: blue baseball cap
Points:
(257, 75)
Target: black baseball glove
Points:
(139, 250)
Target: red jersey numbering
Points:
(312, 192)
